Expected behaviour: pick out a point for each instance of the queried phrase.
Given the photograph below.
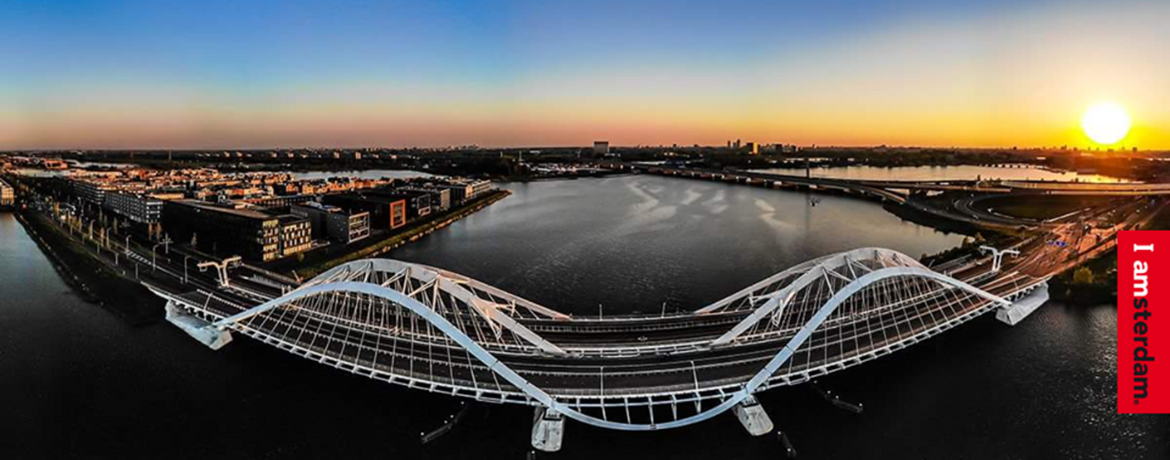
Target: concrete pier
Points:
(197, 328)
(1021, 308)
(548, 428)
(751, 414)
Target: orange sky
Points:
(1005, 77)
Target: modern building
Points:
(7, 195)
(235, 230)
(137, 207)
(296, 234)
(440, 197)
(384, 212)
(91, 192)
(466, 190)
(601, 147)
(418, 204)
(753, 148)
(281, 201)
(333, 222)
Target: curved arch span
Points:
(501, 369)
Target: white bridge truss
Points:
(430, 329)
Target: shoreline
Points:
(390, 243)
(90, 279)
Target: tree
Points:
(1083, 275)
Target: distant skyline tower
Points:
(737, 144)
(600, 147)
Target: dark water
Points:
(631, 243)
(79, 383)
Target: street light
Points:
(154, 254)
(221, 267)
(185, 258)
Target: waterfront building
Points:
(296, 234)
(463, 190)
(91, 192)
(234, 230)
(7, 195)
(137, 207)
(281, 201)
(601, 148)
(333, 222)
(385, 212)
(440, 197)
(418, 204)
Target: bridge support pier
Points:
(751, 414)
(1021, 308)
(197, 328)
(548, 428)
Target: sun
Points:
(1105, 123)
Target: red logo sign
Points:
(1143, 322)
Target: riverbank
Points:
(97, 282)
(91, 280)
(934, 220)
(419, 230)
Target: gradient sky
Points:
(253, 74)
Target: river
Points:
(81, 383)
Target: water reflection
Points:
(634, 242)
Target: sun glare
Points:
(1105, 123)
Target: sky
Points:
(267, 74)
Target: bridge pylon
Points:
(548, 429)
(751, 414)
(196, 327)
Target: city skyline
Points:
(113, 75)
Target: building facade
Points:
(440, 197)
(334, 223)
(140, 208)
(418, 204)
(384, 213)
(466, 190)
(91, 192)
(281, 201)
(296, 235)
(7, 195)
(232, 230)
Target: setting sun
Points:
(1105, 123)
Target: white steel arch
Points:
(375, 277)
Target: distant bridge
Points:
(430, 329)
(890, 190)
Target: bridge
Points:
(893, 190)
(434, 330)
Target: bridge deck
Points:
(608, 359)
